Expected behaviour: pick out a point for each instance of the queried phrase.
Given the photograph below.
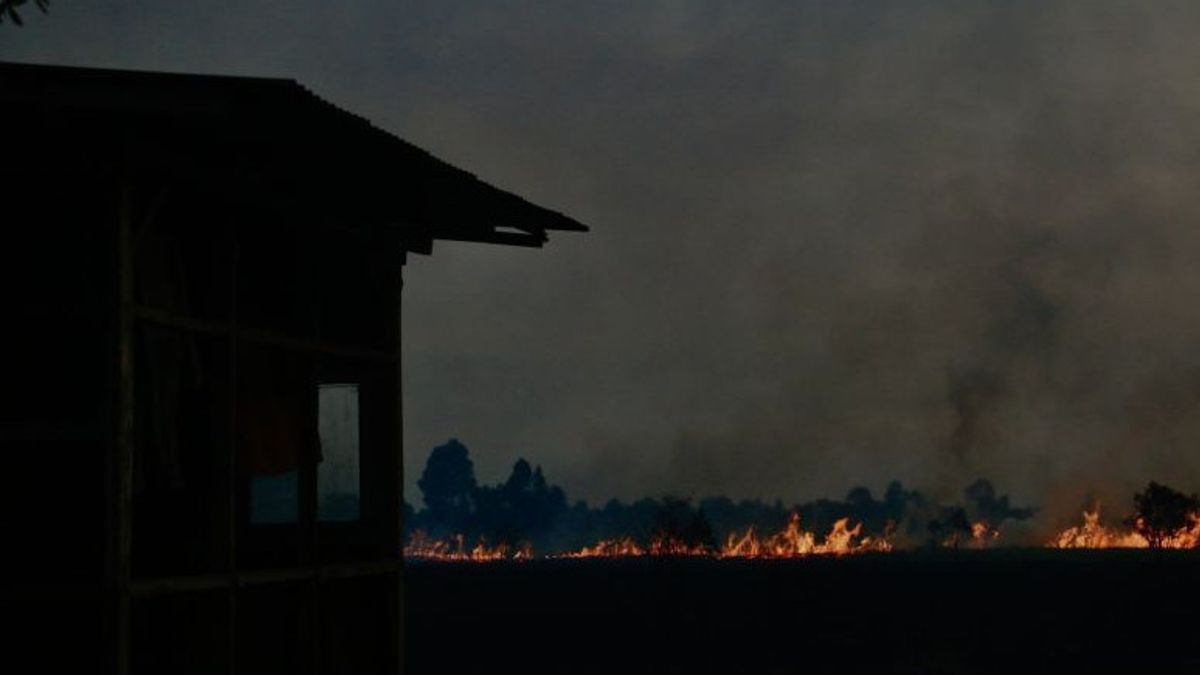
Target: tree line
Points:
(527, 508)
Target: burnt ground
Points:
(1010, 611)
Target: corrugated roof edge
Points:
(564, 222)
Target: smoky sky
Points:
(833, 243)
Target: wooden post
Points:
(310, 544)
(399, 507)
(125, 425)
(231, 478)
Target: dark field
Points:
(1008, 611)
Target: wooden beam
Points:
(265, 337)
(420, 238)
(421, 244)
(493, 237)
(49, 434)
(141, 588)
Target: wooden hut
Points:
(202, 420)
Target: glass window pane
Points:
(338, 473)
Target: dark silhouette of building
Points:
(201, 426)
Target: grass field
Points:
(1010, 611)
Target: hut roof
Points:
(269, 141)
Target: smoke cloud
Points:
(833, 242)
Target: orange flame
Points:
(609, 548)
(795, 542)
(421, 546)
(1093, 534)
(663, 545)
(983, 534)
(1188, 536)
(791, 542)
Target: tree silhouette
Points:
(951, 528)
(522, 508)
(8, 9)
(677, 522)
(1161, 512)
(859, 498)
(528, 508)
(519, 480)
(984, 504)
(448, 484)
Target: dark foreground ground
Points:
(1006, 611)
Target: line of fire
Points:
(522, 519)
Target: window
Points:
(338, 472)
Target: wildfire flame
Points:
(791, 542)
(421, 546)
(983, 534)
(795, 542)
(1094, 534)
(1188, 537)
(662, 545)
(609, 548)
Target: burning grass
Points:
(793, 541)
(1094, 534)
(420, 546)
(1163, 519)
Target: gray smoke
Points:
(834, 242)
